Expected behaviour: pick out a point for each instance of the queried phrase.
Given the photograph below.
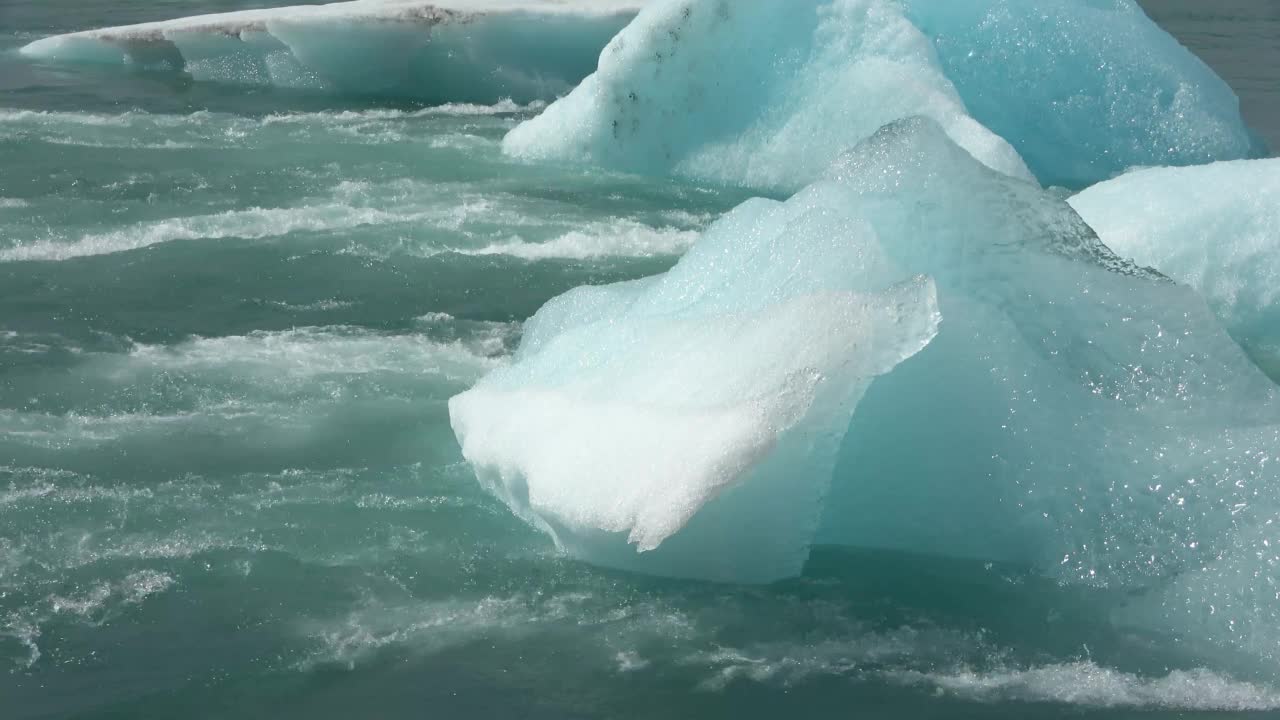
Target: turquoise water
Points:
(230, 321)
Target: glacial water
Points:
(231, 321)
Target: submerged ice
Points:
(425, 50)
(766, 93)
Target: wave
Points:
(434, 219)
(504, 106)
(462, 51)
(616, 239)
(305, 353)
(278, 384)
(217, 131)
(1089, 685)
(251, 224)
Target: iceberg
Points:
(766, 93)
(914, 353)
(673, 413)
(762, 94)
(1214, 227)
(1084, 89)
(435, 51)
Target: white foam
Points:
(77, 118)
(621, 238)
(434, 626)
(12, 203)
(309, 352)
(132, 590)
(26, 631)
(250, 224)
(326, 305)
(505, 106)
(1087, 684)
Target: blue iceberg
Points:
(762, 94)
(1084, 89)
(915, 352)
(766, 93)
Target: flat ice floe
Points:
(433, 51)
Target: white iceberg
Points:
(425, 50)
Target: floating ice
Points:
(766, 93)
(1074, 412)
(1083, 89)
(428, 50)
(675, 412)
(1080, 415)
(762, 93)
(1215, 228)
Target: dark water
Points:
(229, 323)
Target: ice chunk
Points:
(427, 50)
(1074, 412)
(1214, 227)
(763, 93)
(1083, 89)
(697, 415)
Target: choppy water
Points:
(229, 324)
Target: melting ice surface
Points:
(433, 51)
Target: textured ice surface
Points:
(1214, 227)
(1074, 412)
(674, 412)
(762, 93)
(1083, 89)
(1080, 414)
(434, 51)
